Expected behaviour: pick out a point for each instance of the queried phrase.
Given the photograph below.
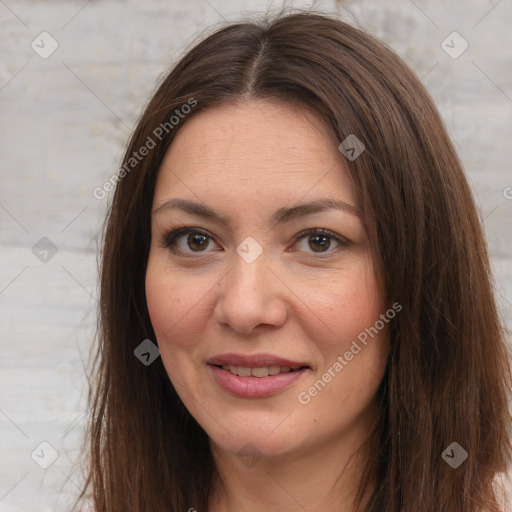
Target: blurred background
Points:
(74, 76)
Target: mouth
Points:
(256, 376)
(259, 371)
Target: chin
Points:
(252, 442)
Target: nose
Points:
(250, 295)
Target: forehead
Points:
(263, 150)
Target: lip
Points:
(253, 361)
(255, 387)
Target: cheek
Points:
(352, 352)
(176, 306)
(363, 343)
(346, 307)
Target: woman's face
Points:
(251, 289)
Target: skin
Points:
(246, 160)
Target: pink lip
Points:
(254, 361)
(255, 387)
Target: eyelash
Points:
(169, 240)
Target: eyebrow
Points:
(280, 216)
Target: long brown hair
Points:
(448, 375)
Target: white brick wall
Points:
(64, 121)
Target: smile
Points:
(258, 382)
(262, 371)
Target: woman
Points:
(292, 228)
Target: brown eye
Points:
(319, 241)
(196, 241)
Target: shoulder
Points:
(503, 484)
